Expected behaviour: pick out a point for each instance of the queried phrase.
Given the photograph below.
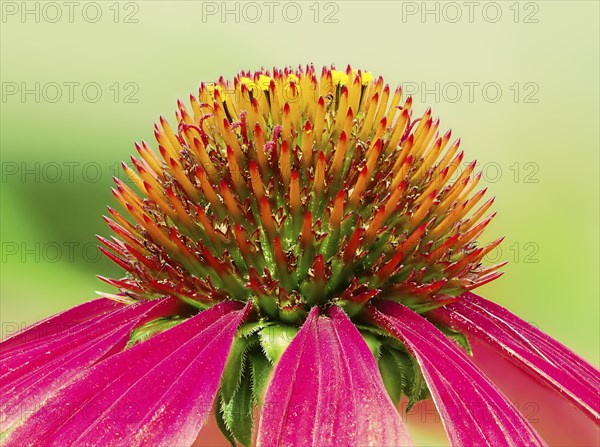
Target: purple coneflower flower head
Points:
(299, 258)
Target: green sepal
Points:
(221, 422)
(251, 328)
(232, 373)
(458, 337)
(261, 368)
(151, 328)
(406, 374)
(417, 389)
(275, 339)
(391, 375)
(292, 315)
(352, 308)
(389, 339)
(373, 342)
(237, 413)
(374, 330)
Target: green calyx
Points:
(255, 349)
(275, 339)
(258, 346)
(402, 376)
(151, 328)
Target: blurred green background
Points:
(518, 81)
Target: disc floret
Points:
(295, 189)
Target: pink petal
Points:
(529, 348)
(558, 422)
(61, 322)
(474, 412)
(156, 393)
(33, 370)
(326, 391)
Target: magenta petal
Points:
(529, 348)
(156, 393)
(545, 409)
(474, 412)
(34, 369)
(61, 322)
(326, 391)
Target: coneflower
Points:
(298, 258)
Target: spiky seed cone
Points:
(293, 189)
